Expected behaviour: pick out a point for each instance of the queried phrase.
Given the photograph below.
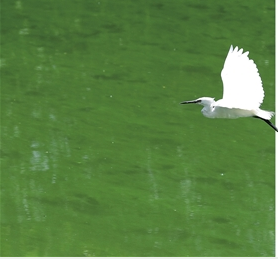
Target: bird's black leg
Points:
(268, 122)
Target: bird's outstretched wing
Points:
(242, 84)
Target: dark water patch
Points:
(109, 77)
(113, 28)
(221, 220)
(225, 242)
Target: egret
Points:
(243, 92)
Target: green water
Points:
(99, 159)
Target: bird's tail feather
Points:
(264, 114)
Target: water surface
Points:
(98, 157)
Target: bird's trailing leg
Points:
(268, 122)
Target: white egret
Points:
(242, 91)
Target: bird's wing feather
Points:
(242, 84)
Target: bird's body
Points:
(242, 91)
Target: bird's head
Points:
(205, 101)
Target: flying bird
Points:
(243, 92)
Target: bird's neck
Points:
(208, 111)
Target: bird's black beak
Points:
(194, 101)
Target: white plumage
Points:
(242, 91)
(242, 84)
